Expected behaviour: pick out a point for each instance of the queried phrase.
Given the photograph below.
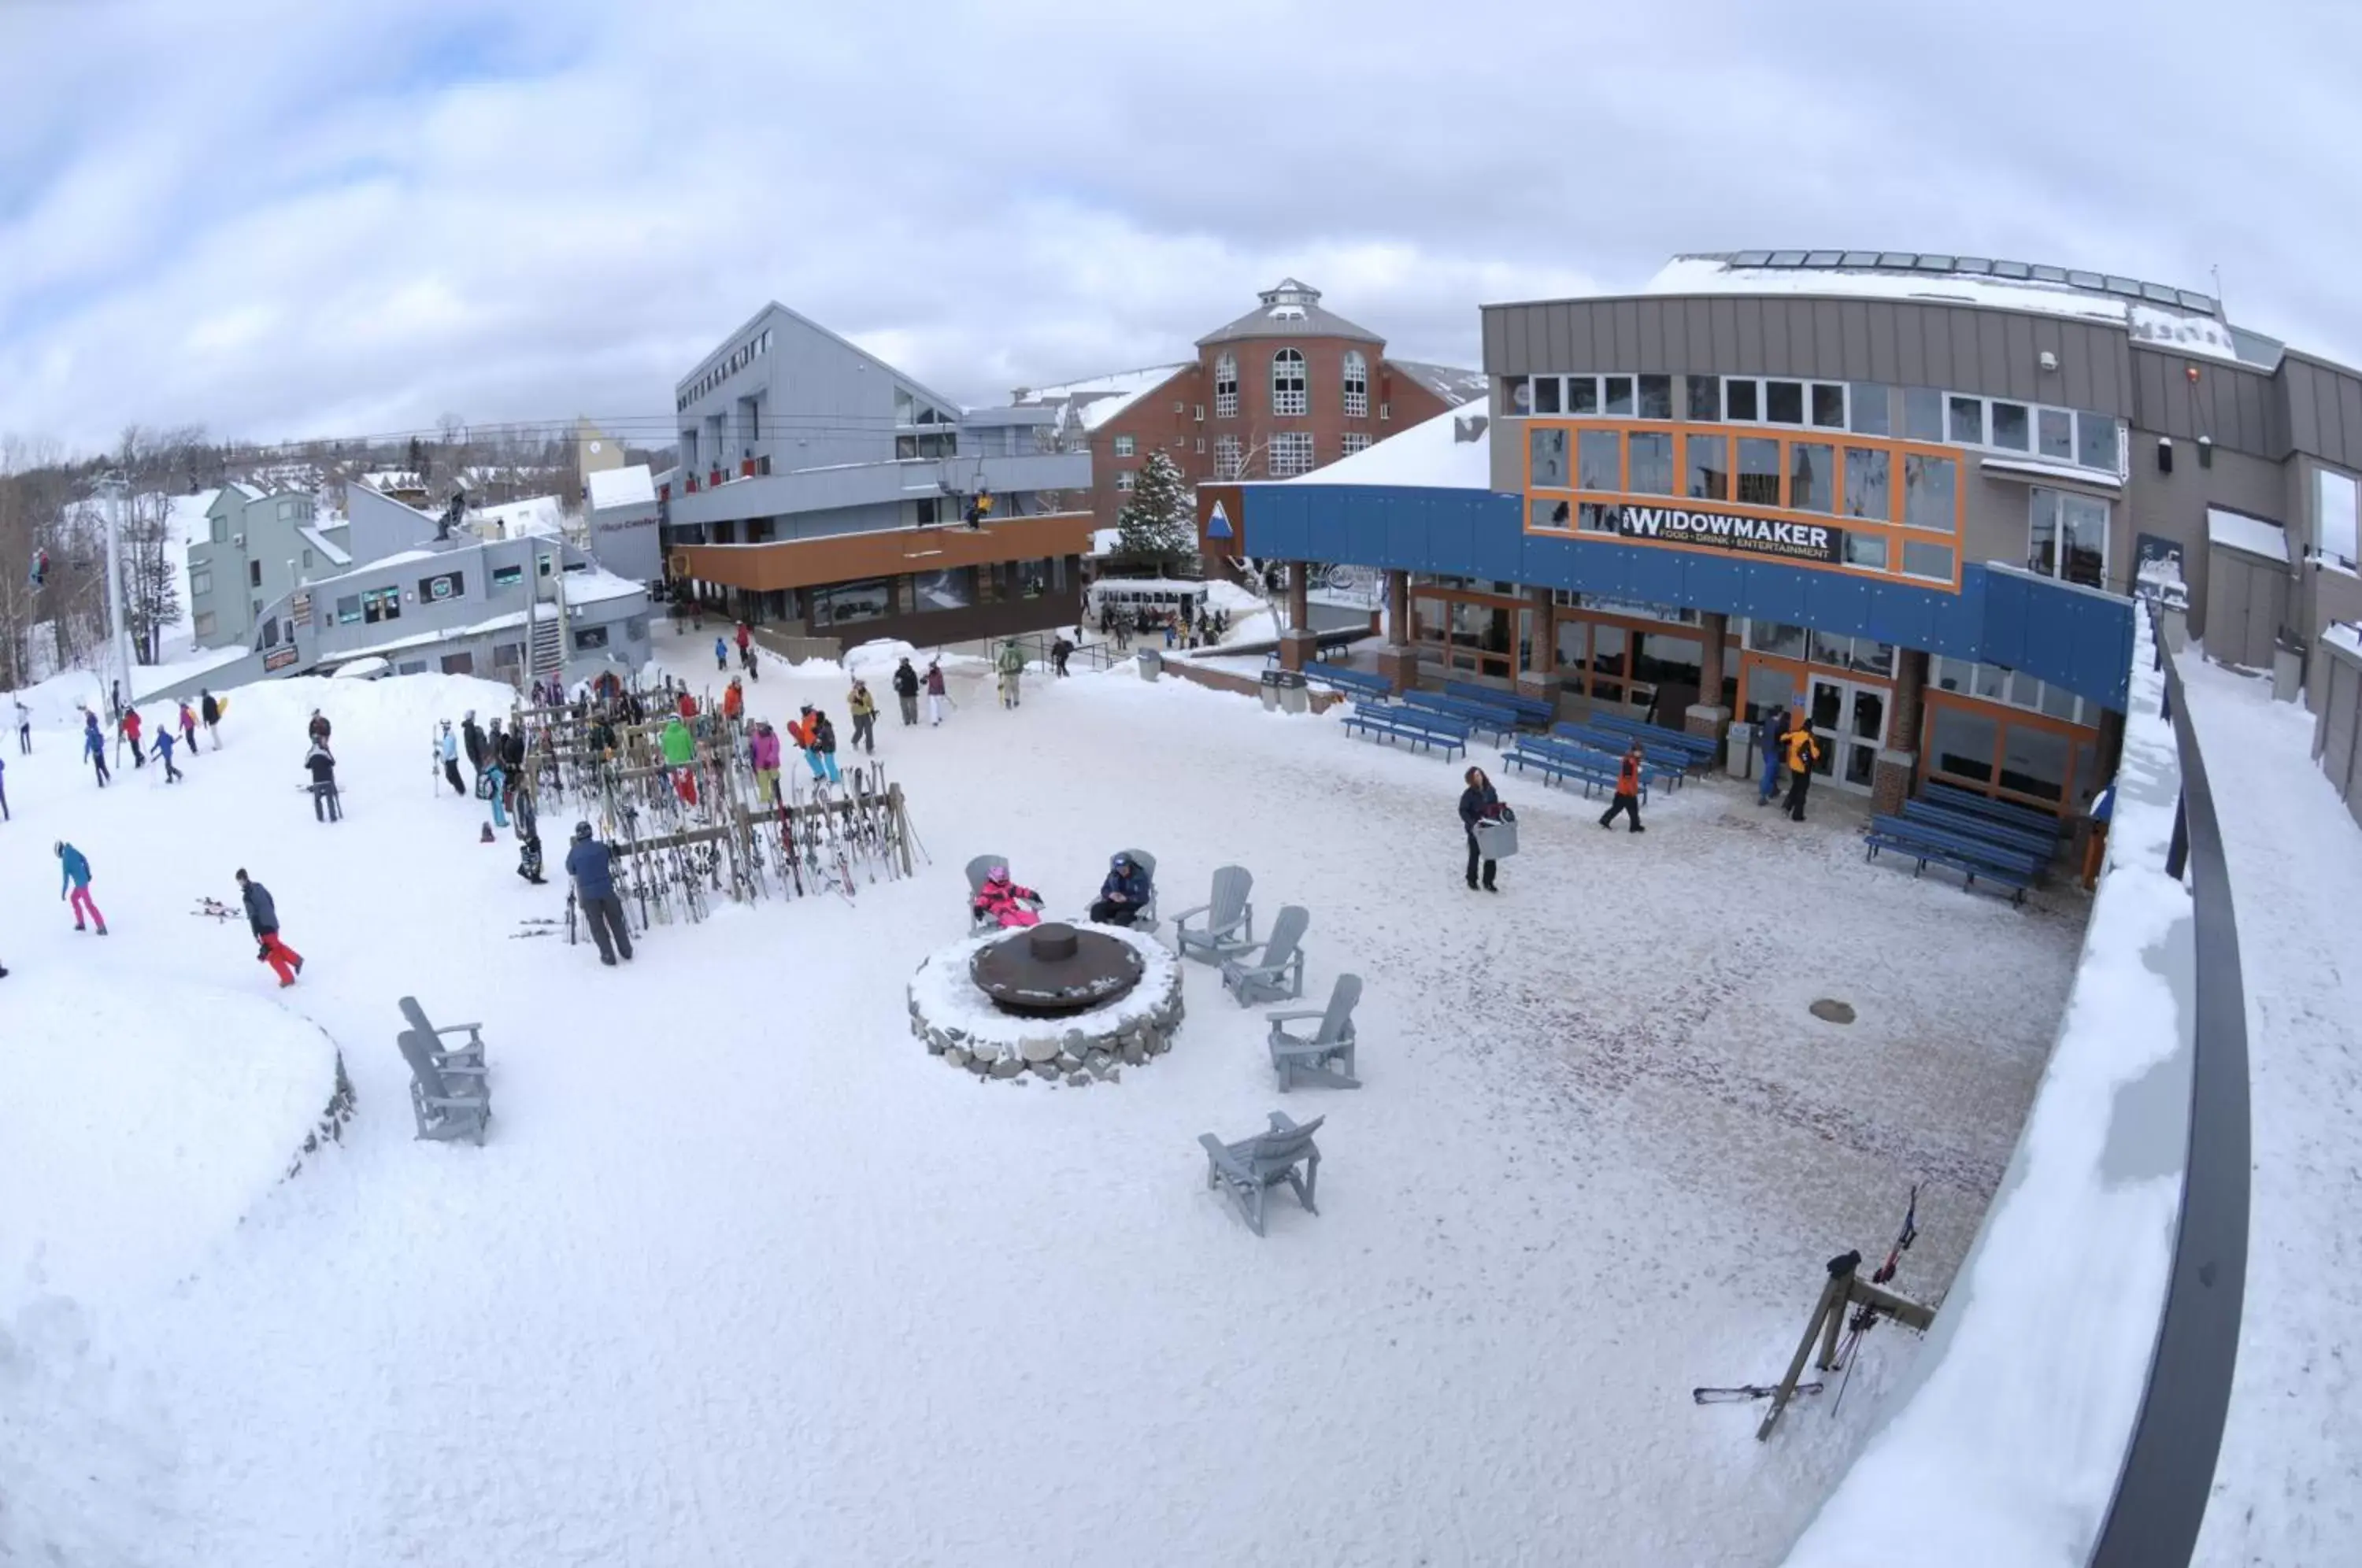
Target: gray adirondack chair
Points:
(1327, 1056)
(1249, 1169)
(977, 870)
(1225, 924)
(470, 1054)
(448, 1099)
(1145, 919)
(1277, 973)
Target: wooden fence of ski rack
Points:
(682, 847)
(1845, 1289)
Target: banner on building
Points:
(278, 658)
(300, 609)
(1817, 542)
(440, 587)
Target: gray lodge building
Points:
(1916, 493)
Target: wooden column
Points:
(1297, 644)
(1898, 760)
(1398, 660)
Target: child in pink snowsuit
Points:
(1006, 903)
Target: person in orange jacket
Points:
(1627, 790)
(733, 700)
(1802, 751)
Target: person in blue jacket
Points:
(721, 653)
(94, 745)
(1124, 893)
(590, 864)
(75, 882)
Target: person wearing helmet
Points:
(1124, 894)
(1005, 903)
(590, 864)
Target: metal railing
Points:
(2169, 1469)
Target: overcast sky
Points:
(286, 218)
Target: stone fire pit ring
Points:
(953, 1017)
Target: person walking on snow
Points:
(1005, 903)
(721, 653)
(1011, 665)
(94, 745)
(1059, 651)
(130, 722)
(864, 709)
(188, 727)
(589, 863)
(75, 886)
(210, 711)
(763, 751)
(448, 749)
(1627, 790)
(165, 740)
(262, 919)
(1478, 802)
(471, 735)
(1801, 752)
(322, 766)
(1124, 894)
(25, 725)
(746, 645)
(1767, 731)
(934, 693)
(906, 690)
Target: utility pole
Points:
(115, 486)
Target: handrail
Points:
(2168, 1468)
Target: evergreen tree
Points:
(1157, 525)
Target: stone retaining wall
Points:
(958, 1022)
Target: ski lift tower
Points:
(116, 487)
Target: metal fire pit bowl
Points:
(1047, 971)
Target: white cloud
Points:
(279, 219)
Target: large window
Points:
(349, 610)
(1599, 463)
(1546, 458)
(1230, 462)
(1930, 492)
(1291, 453)
(1290, 391)
(1125, 446)
(1226, 388)
(849, 601)
(1868, 480)
(2067, 537)
(1811, 480)
(201, 583)
(1357, 385)
(589, 637)
(1759, 471)
(2337, 517)
(507, 576)
(380, 605)
(1709, 464)
(1705, 400)
(1354, 441)
(1870, 411)
(2013, 688)
(1960, 743)
(1126, 478)
(1776, 400)
(953, 588)
(1653, 464)
(1656, 397)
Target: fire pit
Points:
(1072, 1006)
(1051, 970)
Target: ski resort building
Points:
(258, 547)
(824, 494)
(1284, 388)
(1916, 493)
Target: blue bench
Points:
(1355, 682)
(1491, 717)
(1700, 749)
(1670, 769)
(2025, 818)
(1558, 764)
(1535, 710)
(1973, 858)
(1608, 762)
(2041, 846)
(1415, 725)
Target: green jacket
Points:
(1010, 659)
(679, 746)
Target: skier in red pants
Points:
(262, 918)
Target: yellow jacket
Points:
(1803, 749)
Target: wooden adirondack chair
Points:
(1249, 1169)
(1146, 920)
(1226, 922)
(1327, 1057)
(1277, 972)
(449, 1101)
(471, 1054)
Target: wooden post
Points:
(1830, 1309)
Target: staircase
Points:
(547, 655)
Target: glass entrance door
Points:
(1849, 721)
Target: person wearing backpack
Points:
(905, 689)
(1767, 731)
(1627, 790)
(1801, 752)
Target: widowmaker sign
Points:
(1819, 542)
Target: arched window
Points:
(1357, 385)
(1226, 388)
(1288, 388)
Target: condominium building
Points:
(258, 547)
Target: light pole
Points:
(115, 486)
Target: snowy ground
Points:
(2288, 1487)
(744, 1275)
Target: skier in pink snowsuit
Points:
(1006, 903)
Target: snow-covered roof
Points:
(2152, 312)
(514, 519)
(631, 486)
(336, 554)
(2238, 531)
(596, 586)
(245, 490)
(1098, 399)
(393, 478)
(1450, 382)
(1429, 453)
(1103, 540)
(1289, 309)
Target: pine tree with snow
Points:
(1157, 525)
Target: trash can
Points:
(1294, 692)
(2288, 668)
(1270, 689)
(1151, 663)
(1738, 751)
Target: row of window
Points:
(918, 594)
(740, 358)
(2065, 436)
(1784, 472)
(1291, 384)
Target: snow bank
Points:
(2004, 1443)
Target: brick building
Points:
(1286, 388)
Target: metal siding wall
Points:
(1718, 585)
(1879, 320)
(1852, 326)
(1653, 316)
(1489, 320)
(1968, 351)
(1698, 321)
(1746, 349)
(2343, 444)
(1993, 354)
(1558, 339)
(2304, 385)
(1835, 603)
(1775, 593)
(1910, 349)
(1673, 326)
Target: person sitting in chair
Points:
(1124, 894)
(1004, 904)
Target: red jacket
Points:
(1627, 778)
(743, 635)
(131, 722)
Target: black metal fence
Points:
(2168, 1470)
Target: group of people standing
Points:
(908, 682)
(131, 729)
(1786, 738)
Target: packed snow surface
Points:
(744, 1275)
